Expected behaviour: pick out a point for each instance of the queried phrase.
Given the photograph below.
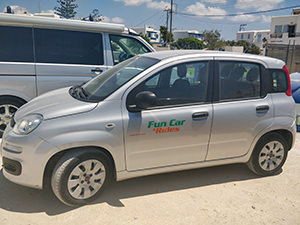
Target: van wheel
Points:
(79, 177)
(268, 155)
(8, 106)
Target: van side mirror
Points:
(145, 100)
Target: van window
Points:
(279, 81)
(180, 84)
(16, 44)
(239, 80)
(124, 47)
(68, 47)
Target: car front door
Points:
(176, 129)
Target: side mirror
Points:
(145, 100)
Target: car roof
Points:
(164, 55)
(47, 22)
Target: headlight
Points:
(27, 124)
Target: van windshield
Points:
(109, 81)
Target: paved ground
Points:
(219, 195)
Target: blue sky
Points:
(150, 12)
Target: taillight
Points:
(289, 91)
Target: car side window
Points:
(180, 84)
(239, 80)
(16, 44)
(124, 47)
(279, 81)
(68, 47)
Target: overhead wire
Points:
(239, 14)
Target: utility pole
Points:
(167, 24)
(171, 14)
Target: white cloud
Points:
(266, 19)
(112, 20)
(215, 1)
(257, 4)
(159, 5)
(133, 2)
(200, 9)
(105, 19)
(244, 18)
(117, 20)
(48, 11)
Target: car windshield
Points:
(106, 83)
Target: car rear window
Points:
(279, 80)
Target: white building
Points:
(177, 34)
(257, 37)
(286, 29)
(154, 35)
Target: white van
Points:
(39, 54)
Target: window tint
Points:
(180, 84)
(125, 47)
(16, 44)
(239, 80)
(279, 81)
(69, 47)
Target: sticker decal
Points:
(163, 127)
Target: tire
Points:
(269, 155)
(8, 106)
(73, 178)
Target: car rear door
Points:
(66, 58)
(242, 108)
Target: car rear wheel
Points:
(269, 155)
(8, 107)
(79, 177)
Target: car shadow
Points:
(16, 198)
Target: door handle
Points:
(96, 70)
(262, 108)
(200, 115)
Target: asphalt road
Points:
(218, 195)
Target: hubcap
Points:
(86, 179)
(271, 155)
(6, 113)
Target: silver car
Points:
(155, 113)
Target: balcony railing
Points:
(276, 35)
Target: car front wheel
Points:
(79, 177)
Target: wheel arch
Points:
(15, 97)
(53, 160)
(286, 134)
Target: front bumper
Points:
(24, 158)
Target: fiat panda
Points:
(154, 113)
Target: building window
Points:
(259, 38)
(285, 28)
(242, 36)
(248, 36)
(292, 31)
(278, 29)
